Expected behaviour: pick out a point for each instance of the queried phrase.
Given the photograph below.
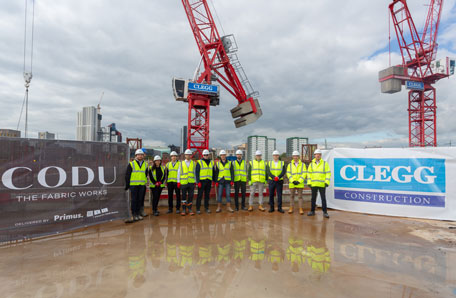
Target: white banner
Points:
(409, 182)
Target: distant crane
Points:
(418, 70)
(220, 63)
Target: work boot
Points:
(301, 211)
(311, 213)
(156, 213)
(290, 210)
(261, 208)
(271, 209)
(219, 208)
(169, 211)
(250, 208)
(280, 210)
(228, 208)
(236, 209)
(326, 215)
(142, 213)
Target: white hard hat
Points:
(317, 151)
(275, 152)
(239, 152)
(295, 153)
(205, 152)
(188, 151)
(222, 152)
(139, 151)
(173, 153)
(258, 152)
(157, 157)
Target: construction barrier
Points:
(51, 186)
(409, 182)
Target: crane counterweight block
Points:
(246, 112)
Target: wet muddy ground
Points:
(238, 255)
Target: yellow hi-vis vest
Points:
(154, 174)
(296, 173)
(240, 171)
(138, 174)
(172, 171)
(275, 170)
(258, 173)
(187, 174)
(205, 170)
(318, 175)
(224, 171)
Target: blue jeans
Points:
(225, 185)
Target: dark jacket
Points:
(161, 176)
(128, 173)
(198, 169)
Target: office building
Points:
(255, 143)
(11, 133)
(184, 138)
(295, 144)
(272, 146)
(46, 135)
(87, 124)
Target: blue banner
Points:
(396, 174)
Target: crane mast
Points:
(220, 64)
(419, 70)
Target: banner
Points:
(410, 182)
(51, 186)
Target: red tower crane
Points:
(418, 71)
(220, 64)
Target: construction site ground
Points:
(244, 254)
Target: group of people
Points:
(182, 177)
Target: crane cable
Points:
(27, 75)
(217, 16)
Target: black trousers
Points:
(206, 190)
(156, 192)
(172, 187)
(187, 193)
(322, 191)
(138, 192)
(278, 187)
(239, 185)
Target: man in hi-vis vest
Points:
(204, 177)
(257, 179)
(172, 167)
(186, 182)
(296, 173)
(136, 180)
(240, 179)
(224, 179)
(318, 177)
(275, 171)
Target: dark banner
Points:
(51, 186)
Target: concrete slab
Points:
(238, 255)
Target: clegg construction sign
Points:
(49, 186)
(402, 182)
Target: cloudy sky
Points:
(315, 64)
